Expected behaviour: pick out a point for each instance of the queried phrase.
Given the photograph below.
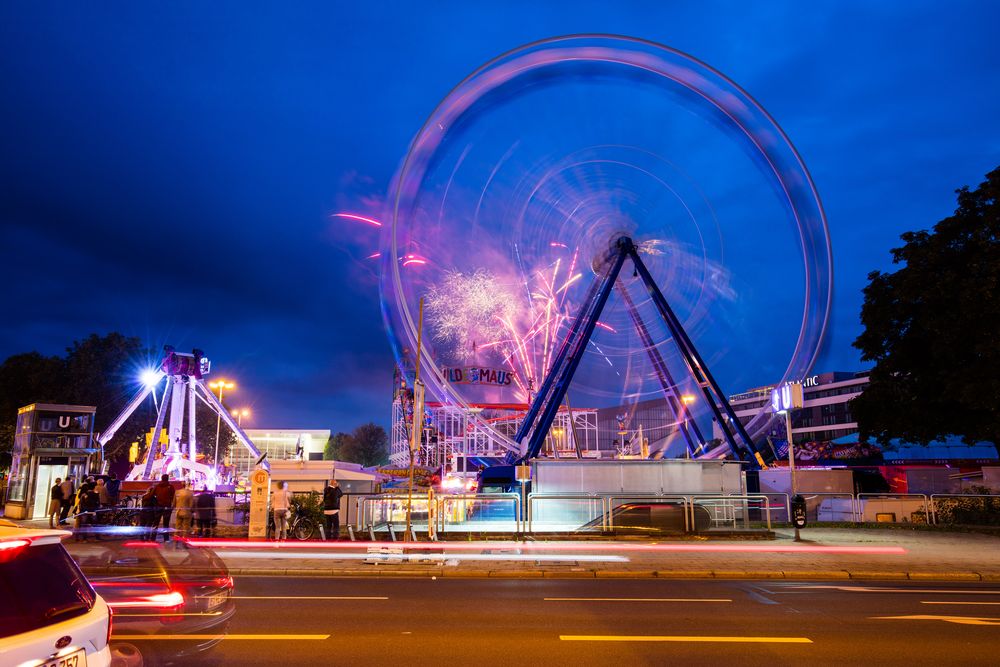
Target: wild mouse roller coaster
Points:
(550, 169)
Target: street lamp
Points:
(240, 413)
(220, 384)
(686, 400)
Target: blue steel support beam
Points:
(543, 391)
(667, 383)
(699, 370)
(565, 374)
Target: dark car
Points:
(651, 518)
(158, 590)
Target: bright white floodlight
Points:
(150, 378)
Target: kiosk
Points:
(50, 441)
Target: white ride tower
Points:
(185, 385)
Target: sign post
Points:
(784, 399)
(418, 422)
(260, 482)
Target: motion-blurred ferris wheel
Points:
(524, 178)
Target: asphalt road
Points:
(343, 621)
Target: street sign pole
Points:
(418, 421)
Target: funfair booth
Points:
(51, 441)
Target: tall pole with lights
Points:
(221, 385)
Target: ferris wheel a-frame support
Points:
(535, 427)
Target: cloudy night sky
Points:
(168, 170)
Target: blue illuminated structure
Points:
(535, 427)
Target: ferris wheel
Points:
(592, 168)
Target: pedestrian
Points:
(55, 502)
(114, 489)
(69, 492)
(331, 509)
(184, 504)
(104, 498)
(148, 515)
(89, 502)
(204, 505)
(164, 504)
(280, 502)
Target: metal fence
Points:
(689, 513)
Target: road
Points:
(313, 621)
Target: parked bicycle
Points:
(300, 526)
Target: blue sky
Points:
(167, 169)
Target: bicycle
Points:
(300, 526)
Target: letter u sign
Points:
(64, 421)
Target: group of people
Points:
(281, 505)
(86, 503)
(195, 513)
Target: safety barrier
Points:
(593, 512)
(959, 512)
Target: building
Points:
(825, 414)
(280, 445)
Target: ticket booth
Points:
(50, 441)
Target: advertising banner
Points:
(496, 377)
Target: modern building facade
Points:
(826, 412)
(280, 445)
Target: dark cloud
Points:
(167, 170)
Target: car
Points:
(50, 615)
(160, 590)
(651, 518)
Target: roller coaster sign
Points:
(497, 377)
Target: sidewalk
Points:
(825, 554)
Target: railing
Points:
(990, 506)
(547, 512)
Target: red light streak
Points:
(359, 218)
(556, 244)
(555, 546)
(606, 326)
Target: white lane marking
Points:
(636, 600)
(961, 620)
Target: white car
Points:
(50, 615)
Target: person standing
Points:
(331, 509)
(114, 488)
(148, 515)
(164, 502)
(104, 498)
(55, 502)
(184, 504)
(69, 490)
(280, 502)
(205, 512)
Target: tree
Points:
(931, 329)
(98, 371)
(334, 446)
(368, 445)
(25, 379)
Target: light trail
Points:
(359, 218)
(559, 546)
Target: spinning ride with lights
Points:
(184, 386)
(541, 179)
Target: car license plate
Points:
(216, 600)
(74, 659)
